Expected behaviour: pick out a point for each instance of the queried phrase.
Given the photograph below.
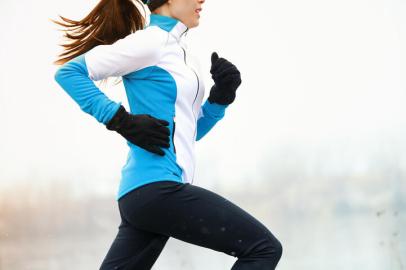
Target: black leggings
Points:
(156, 211)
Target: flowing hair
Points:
(108, 22)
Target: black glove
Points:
(226, 78)
(141, 129)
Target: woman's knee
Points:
(277, 249)
(267, 247)
(273, 248)
(264, 253)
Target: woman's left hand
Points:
(227, 79)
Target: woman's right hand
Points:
(143, 130)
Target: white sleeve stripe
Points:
(134, 52)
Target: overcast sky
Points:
(315, 73)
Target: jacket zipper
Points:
(173, 134)
(198, 86)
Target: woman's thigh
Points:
(197, 216)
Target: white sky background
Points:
(316, 74)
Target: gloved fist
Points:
(226, 78)
(142, 130)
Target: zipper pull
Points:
(173, 135)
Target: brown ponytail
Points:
(108, 22)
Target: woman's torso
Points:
(172, 90)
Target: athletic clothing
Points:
(159, 79)
(156, 197)
(154, 212)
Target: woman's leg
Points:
(201, 217)
(133, 249)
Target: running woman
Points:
(156, 196)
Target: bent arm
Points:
(134, 52)
(210, 114)
(73, 77)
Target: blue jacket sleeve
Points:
(210, 114)
(73, 77)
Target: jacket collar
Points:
(171, 25)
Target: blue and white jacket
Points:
(159, 80)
